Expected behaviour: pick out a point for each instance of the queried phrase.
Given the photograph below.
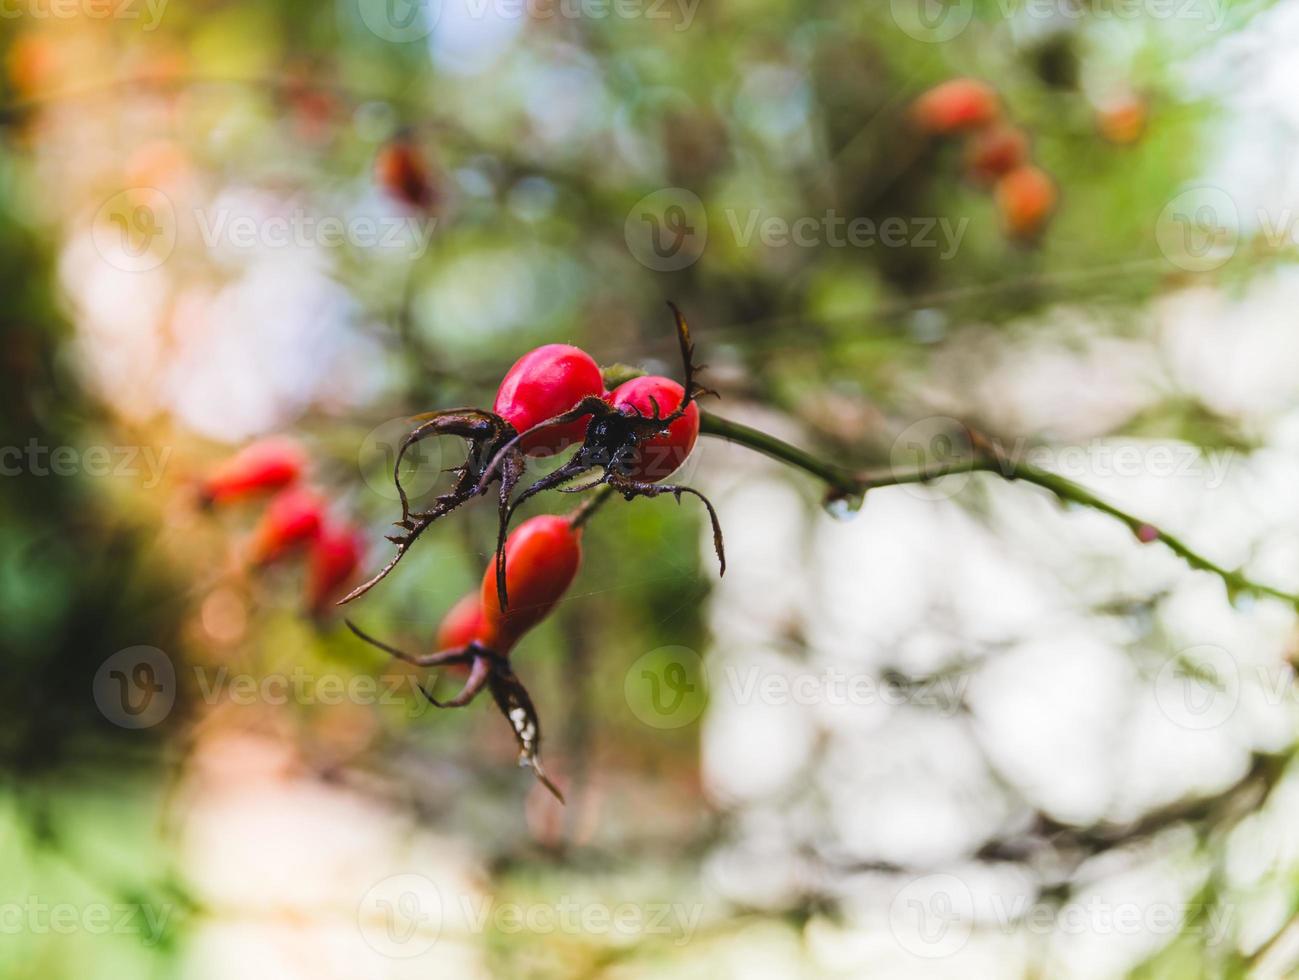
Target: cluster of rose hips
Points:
(996, 152)
(295, 520)
(628, 439)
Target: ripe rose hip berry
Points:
(257, 469)
(542, 556)
(542, 406)
(461, 625)
(994, 152)
(335, 556)
(292, 520)
(1025, 199)
(660, 455)
(459, 628)
(542, 384)
(956, 105)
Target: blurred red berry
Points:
(335, 556)
(292, 520)
(1123, 120)
(462, 623)
(994, 152)
(260, 468)
(1025, 198)
(955, 106)
(401, 170)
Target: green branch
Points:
(985, 457)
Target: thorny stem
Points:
(586, 510)
(984, 457)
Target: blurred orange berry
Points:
(1025, 198)
(292, 521)
(1123, 121)
(994, 152)
(335, 556)
(259, 468)
(956, 106)
(34, 63)
(461, 625)
(401, 170)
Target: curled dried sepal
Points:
(516, 705)
(486, 669)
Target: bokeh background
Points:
(960, 730)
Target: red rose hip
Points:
(543, 383)
(662, 454)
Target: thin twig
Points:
(985, 457)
